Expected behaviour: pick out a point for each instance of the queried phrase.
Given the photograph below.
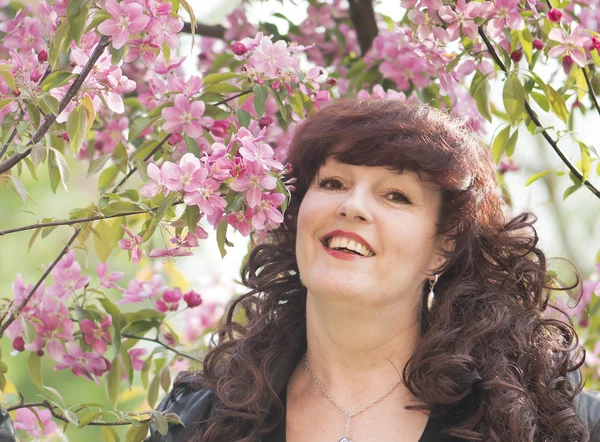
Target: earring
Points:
(431, 295)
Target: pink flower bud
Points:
(18, 344)
(595, 44)
(169, 338)
(554, 15)
(538, 44)
(65, 136)
(276, 85)
(192, 299)
(220, 128)
(516, 55)
(265, 122)
(176, 138)
(40, 352)
(238, 48)
(43, 56)
(332, 81)
(35, 76)
(567, 61)
(16, 92)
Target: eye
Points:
(397, 197)
(330, 184)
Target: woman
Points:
(395, 302)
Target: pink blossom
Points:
(96, 335)
(461, 18)
(151, 189)
(145, 48)
(67, 277)
(254, 180)
(268, 57)
(164, 28)
(112, 135)
(107, 278)
(82, 363)
(127, 19)
(184, 116)
(266, 211)
(24, 35)
(188, 87)
(255, 151)
(170, 301)
(241, 221)
(161, 253)
(140, 290)
(132, 245)
(570, 45)
(188, 175)
(506, 14)
(207, 197)
(192, 299)
(197, 320)
(26, 420)
(135, 354)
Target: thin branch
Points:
(536, 121)
(157, 341)
(233, 97)
(132, 171)
(14, 314)
(591, 90)
(77, 221)
(73, 89)
(365, 25)
(12, 135)
(213, 31)
(61, 417)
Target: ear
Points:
(438, 259)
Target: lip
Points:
(343, 255)
(349, 235)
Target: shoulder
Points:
(587, 406)
(190, 400)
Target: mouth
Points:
(341, 243)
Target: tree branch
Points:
(536, 121)
(12, 135)
(14, 314)
(591, 90)
(213, 31)
(73, 89)
(59, 416)
(168, 347)
(363, 18)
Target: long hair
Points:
(487, 344)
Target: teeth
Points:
(338, 242)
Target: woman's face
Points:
(393, 213)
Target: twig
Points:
(233, 97)
(14, 314)
(12, 135)
(591, 90)
(59, 416)
(157, 341)
(76, 221)
(132, 171)
(216, 31)
(73, 89)
(537, 122)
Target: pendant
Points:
(345, 439)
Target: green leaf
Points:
(537, 176)
(509, 148)
(280, 104)
(5, 102)
(218, 78)
(222, 237)
(165, 379)
(77, 15)
(557, 103)
(570, 190)
(261, 93)
(192, 215)
(56, 79)
(499, 143)
(113, 381)
(97, 164)
(243, 118)
(56, 394)
(153, 391)
(160, 214)
(19, 188)
(107, 177)
(8, 78)
(35, 370)
(527, 43)
(191, 145)
(541, 100)
(49, 104)
(121, 207)
(513, 96)
(103, 240)
(585, 161)
(222, 88)
(109, 434)
(57, 168)
(160, 422)
(137, 433)
(71, 417)
(90, 417)
(140, 125)
(59, 37)
(480, 91)
(29, 331)
(76, 127)
(296, 103)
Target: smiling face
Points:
(394, 215)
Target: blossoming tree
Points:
(100, 84)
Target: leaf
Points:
(113, 381)
(98, 17)
(88, 105)
(109, 434)
(222, 88)
(557, 103)
(29, 331)
(107, 177)
(8, 78)
(19, 188)
(159, 215)
(153, 391)
(261, 93)
(140, 125)
(192, 215)
(97, 164)
(480, 91)
(570, 190)
(222, 237)
(115, 313)
(160, 422)
(218, 78)
(103, 240)
(71, 417)
(5, 102)
(165, 378)
(77, 14)
(56, 394)
(243, 118)
(56, 79)
(585, 161)
(57, 168)
(509, 148)
(90, 417)
(499, 143)
(296, 103)
(526, 43)
(137, 433)
(191, 145)
(513, 96)
(279, 101)
(537, 176)
(188, 8)
(59, 37)
(76, 127)
(35, 370)
(541, 100)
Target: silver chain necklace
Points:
(339, 407)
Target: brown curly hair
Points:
(487, 344)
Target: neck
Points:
(356, 350)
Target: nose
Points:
(354, 206)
